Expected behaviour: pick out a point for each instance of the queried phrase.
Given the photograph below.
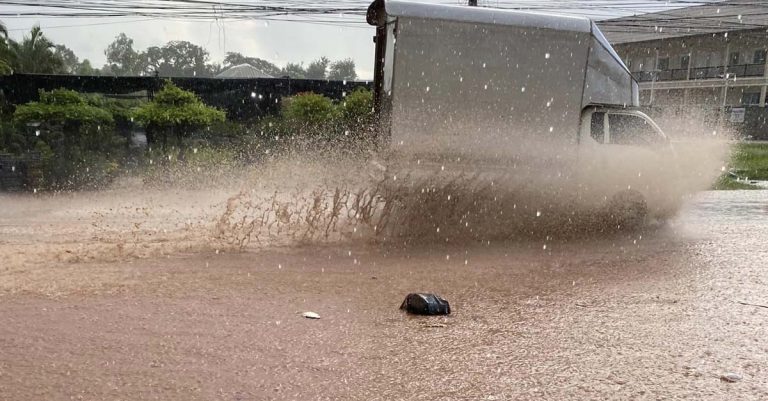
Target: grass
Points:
(726, 182)
(748, 161)
(751, 161)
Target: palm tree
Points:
(5, 54)
(35, 54)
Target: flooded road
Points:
(655, 315)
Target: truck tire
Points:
(628, 210)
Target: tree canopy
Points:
(122, 59)
(35, 54)
(317, 69)
(175, 107)
(61, 106)
(178, 59)
(232, 59)
(5, 53)
(343, 70)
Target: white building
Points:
(709, 58)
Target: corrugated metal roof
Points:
(725, 16)
(243, 71)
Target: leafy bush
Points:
(76, 140)
(309, 109)
(64, 107)
(121, 109)
(177, 113)
(357, 107)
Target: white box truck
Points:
(456, 86)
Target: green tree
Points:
(343, 70)
(294, 70)
(177, 59)
(69, 60)
(5, 52)
(76, 139)
(122, 59)
(232, 59)
(85, 68)
(175, 114)
(317, 69)
(357, 107)
(309, 109)
(35, 54)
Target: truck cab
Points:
(623, 127)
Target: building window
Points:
(733, 58)
(663, 64)
(750, 99)
(759, 57)
(685, 61)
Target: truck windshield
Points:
(628, 129)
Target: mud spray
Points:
(308, 198)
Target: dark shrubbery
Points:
(75, 140)
(81, 140)
(315, 118)
(175, 114)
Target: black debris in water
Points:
(426, 304)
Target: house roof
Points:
(714, 17)
(243, 71)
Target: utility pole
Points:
(473, 3)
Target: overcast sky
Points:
(277, 41)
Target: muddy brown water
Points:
(655, 315)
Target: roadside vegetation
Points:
(749, 161)
(70, 141)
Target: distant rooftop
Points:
(725, 16)
(243, 71)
